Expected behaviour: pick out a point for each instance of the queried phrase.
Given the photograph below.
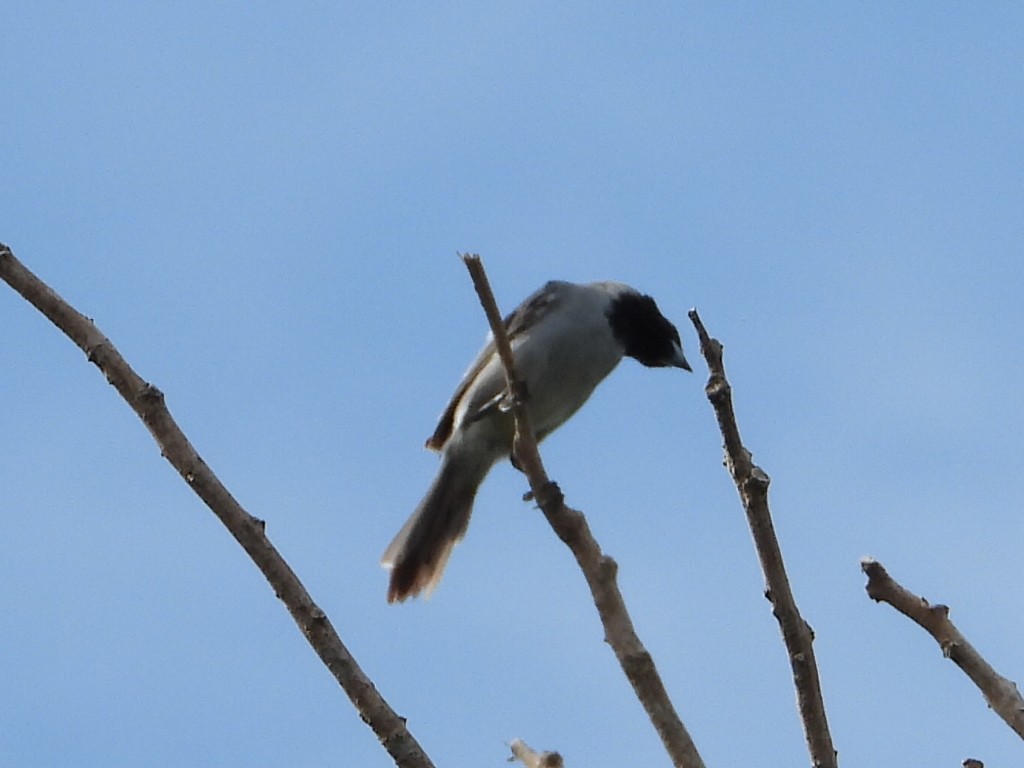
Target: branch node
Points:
(810, 630)
(756, 484)
(92, 354)
(150, 396)
(609, 568)
(717, 389)
(551, 494)
(759, 476)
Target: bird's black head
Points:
(645, 333)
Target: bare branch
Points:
(1001, 694)
(598, 569)
(752, 483)
(148, 402)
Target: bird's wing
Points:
(517, 324)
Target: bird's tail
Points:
(419, 552)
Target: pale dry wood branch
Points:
(752, 483)
(599, 570)
(148, 402)
(1000, 693)
(531, 758)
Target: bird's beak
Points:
(679, 361)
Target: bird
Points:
(565, 338)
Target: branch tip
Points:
(1000, 693)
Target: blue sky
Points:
(261, 204)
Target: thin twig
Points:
(598, 569)
(1001, 694)
(752, 483)
(148, 402)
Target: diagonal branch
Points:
(1001, 694)
(752, 483)
(598, 569)
(148, 402)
